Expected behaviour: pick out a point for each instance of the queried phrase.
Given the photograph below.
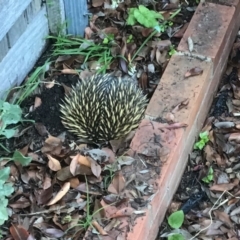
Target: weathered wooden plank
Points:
(10, 11)
(76, 14)
(21, 58)
(33, 8)
(17, 29)
(3, 47)
(56, 16)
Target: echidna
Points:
(103, 108)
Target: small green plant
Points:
(9, 114)
(144, 16)
(78, 46)
(209, 177)
(130, 38)
(203, 140)
(108, 39)
(149, 18)
(6, 189)
(175, 221)
(172, 50)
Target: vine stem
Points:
(140, 48)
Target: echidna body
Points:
(103, 108)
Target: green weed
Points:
(86, 48)
(209, 177)
(203, 141)
(149, 18)
(175, 221)
(6, 189)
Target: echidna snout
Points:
(103, 108)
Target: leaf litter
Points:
(64, 189)
(209, 191)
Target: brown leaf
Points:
(45, 195)
(181, 105)
(111, 30)
(124, 212)
(74, 182)
(65, 173)
(21, 203)
(99, 228)
(146, 32)
(52, 145)
(118, 183)
(74, 164)
(53, 163)
(83, 160)
(42, 130)
(143, 81)
(96, 169)
(225, 186)
(224, 217)
(18, 232)
(69, 71)
(24, 150)
(60, 194)
(37, 102)
(97, 3)
(88, 32)
(181, 31)
(47, 182)
(193, 72)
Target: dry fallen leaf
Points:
(84, 160)
(37, 102)
(193, 72)
(60, 194)
(225, 186)
(124, 212)
(97, 3)
(53, 163)
(117, 184)
(99, 228)
(18, 232)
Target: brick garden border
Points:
(212, 45)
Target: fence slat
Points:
(56, 16)
(76, 14)
(22, 57)
(10, 11)
(32, 9)
(17, 29)
(3, 47)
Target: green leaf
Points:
(3, 214)
(199, 145)
(176, 236)
(204, 136)
(156, 15)
(131, 20)
(4, 174)
(11, 113)
(209, 177)
(176, 219)
(8, 133)
(143, 10)
(18, 157)
(7, 189)
(105, 40)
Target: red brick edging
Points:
(212, 44)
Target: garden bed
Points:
(71, 189)
(208, 192)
